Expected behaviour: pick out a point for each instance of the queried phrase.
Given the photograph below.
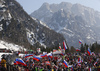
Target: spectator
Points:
(3, 64)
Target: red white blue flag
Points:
(80, 41)
(28, 55)
(65, 63)
(89, 51)
(36, 58)
(49, 55)
(20, 61)
(72, 68)
(44, 55)
(64, 45)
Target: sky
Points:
(31, 5)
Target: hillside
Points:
(16, 26)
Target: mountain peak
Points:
(65, 3)
(45, 6)
(73, 21)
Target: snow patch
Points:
(62, 9)
(31, 37)
(43, 24)
(67, 30)
(7, 23)
(9, 16)
(88, 37)
(1, 27)
(40, 22)
(1, 18)
(43, 45)
(14, 47)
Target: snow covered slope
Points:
(10, 46)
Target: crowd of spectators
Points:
(75, 61)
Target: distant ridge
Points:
(74, 21)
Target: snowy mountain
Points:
(17, 27)
(74, 21)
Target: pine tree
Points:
(82, 48)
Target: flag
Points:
(36, 58)
(78, 50)
(59, 50)
(44, 55)
(54, 50)
(60, 47)
(79, 64)
(72, 68)
(47, 63)
(92, 53)
(27, 59)
(55, 67)
(65, 63)
(64, 45)
(79, 60)
(15, 63)
(80, 41)
(20, 61)
(49, 55)
(28, 55)
(38, 50)
(89, 69)
(89, 51)
(62, 54)
(95, 63)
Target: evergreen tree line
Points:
(95, 47)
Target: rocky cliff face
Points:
(18, 27)
(74, 21)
